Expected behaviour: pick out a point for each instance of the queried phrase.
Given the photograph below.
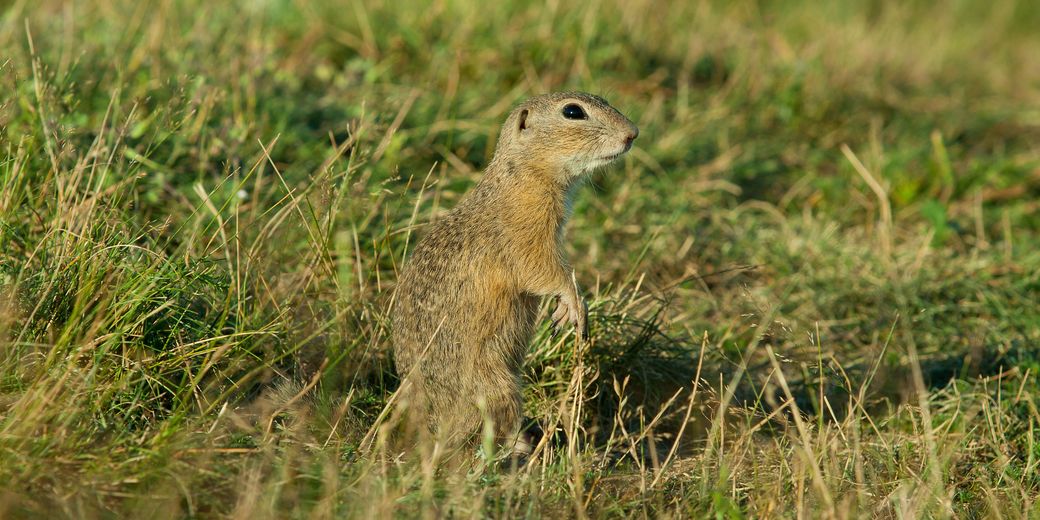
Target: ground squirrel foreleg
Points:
(570, 307)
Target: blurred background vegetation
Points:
(813, 282)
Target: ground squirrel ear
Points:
(522, 125)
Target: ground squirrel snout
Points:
(467, 301)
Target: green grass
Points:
(813, 284)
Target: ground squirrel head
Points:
(571, 133)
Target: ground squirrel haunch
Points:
(467, 301)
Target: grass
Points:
(813, 283)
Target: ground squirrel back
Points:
(467, 301)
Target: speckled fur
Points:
(467, 301)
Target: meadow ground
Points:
(813, 283)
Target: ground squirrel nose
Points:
(631, 136)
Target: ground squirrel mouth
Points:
(614, 156)
(624, 149)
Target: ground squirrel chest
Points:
(466, 303)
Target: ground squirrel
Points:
(467, 301)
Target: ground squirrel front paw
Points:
(572, 309)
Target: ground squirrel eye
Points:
(573, 111)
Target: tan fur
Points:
(467, 301)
